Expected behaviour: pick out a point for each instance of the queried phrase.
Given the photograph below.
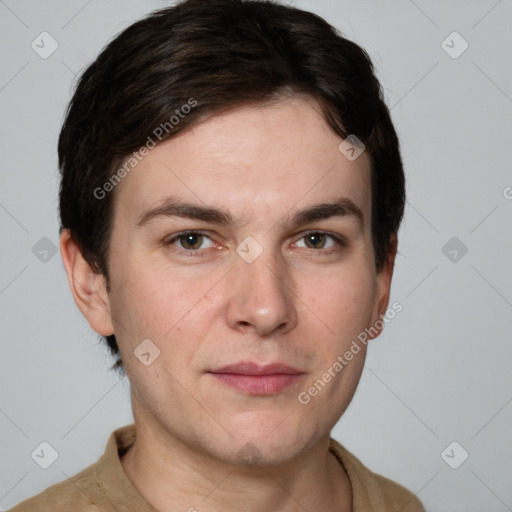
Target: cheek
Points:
(172, 311)
(144, 304)
(344, 304)
(343, 301)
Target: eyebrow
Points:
(173, 207)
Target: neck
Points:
(173, 476)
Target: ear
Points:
(383, 288)
(88, 287)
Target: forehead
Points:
(254, 161)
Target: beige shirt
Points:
(104, 486)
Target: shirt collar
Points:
(110, 475)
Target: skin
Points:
(297, 303)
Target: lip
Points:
(253, 379)
(250, 368)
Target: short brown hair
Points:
(221, 54)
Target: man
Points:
(230, 199)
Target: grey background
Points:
(441, 370)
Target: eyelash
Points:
(340, 242)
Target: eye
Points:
(322, 241)
(195, 242)
(190, 241)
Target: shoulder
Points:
(78, 493)
(91, 489)
(371, 491)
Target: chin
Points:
(268, 440)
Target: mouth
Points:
(253, 379)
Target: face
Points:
(243, 266)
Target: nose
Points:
(261, 298)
